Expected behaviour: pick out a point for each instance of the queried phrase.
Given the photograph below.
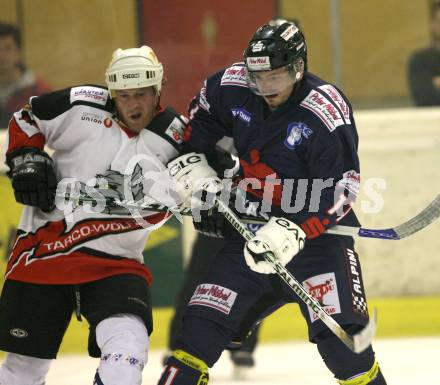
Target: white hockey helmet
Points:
(134, 68)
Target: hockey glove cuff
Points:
(192, 173)
(281, 237)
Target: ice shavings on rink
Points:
(404, 361)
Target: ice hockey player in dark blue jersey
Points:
(297, 144)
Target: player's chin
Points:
(136, 125)
(272, 99)
(138, 122)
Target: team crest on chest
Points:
(296, 132)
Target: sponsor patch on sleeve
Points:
(322, 107)
(88, 94)
(175, 130)
(242, 114)
(234, 76)
(338, 99)
(217, 297)
(323, 289)
(351, 181)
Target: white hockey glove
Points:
(280, 236)
(192, 173)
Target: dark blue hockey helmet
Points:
(277, 44)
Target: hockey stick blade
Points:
(356, 343)
(423, 219)
(363, 339)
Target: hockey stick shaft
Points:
(415, 224)
(357, 343)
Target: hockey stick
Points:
(356, 343)
(428, 215)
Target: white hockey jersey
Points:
(79, 125)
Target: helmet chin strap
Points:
(299, 68)
(158, 100)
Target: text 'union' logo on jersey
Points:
(295, 133)
(242, 115)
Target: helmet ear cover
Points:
(134, 68)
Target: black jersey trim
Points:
(49, 106)
(162, 122)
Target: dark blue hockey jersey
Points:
(302, 156)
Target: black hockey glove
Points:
(213, 224)
(220, 160)
(33, 177)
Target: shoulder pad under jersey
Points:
(235, 75)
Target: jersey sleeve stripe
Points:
(337, 98)
(169, 125)
(235, 76)
(22, 137)
(322, 107)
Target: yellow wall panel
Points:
(377, 38)
(71, 42)
(8, 11)
(314, 20)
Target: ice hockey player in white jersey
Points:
(92, 263)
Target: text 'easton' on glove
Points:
(32, 174)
